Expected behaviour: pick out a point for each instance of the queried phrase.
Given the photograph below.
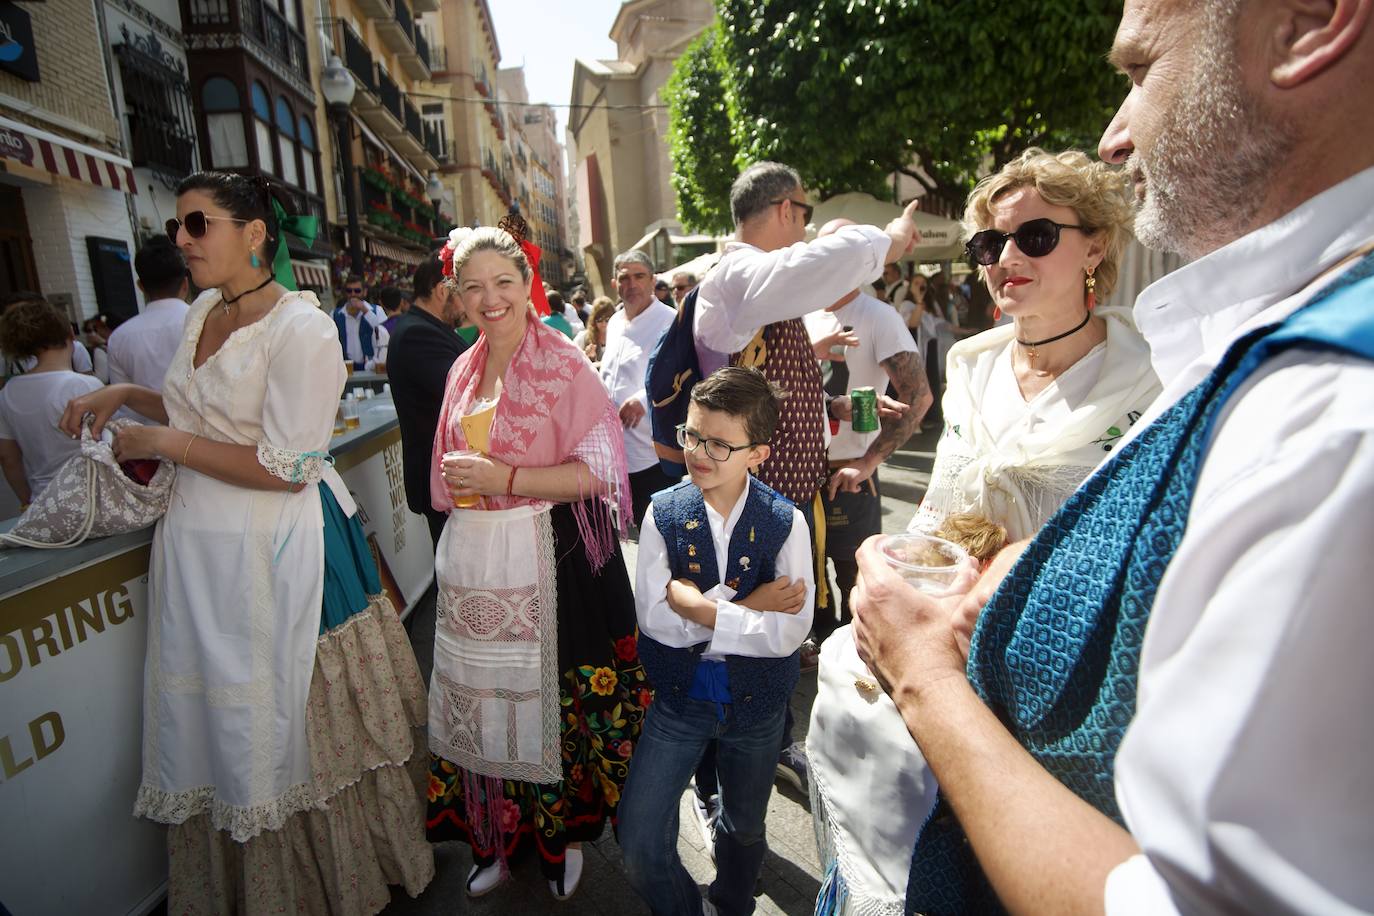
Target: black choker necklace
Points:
(224, 302)
(1030, 345)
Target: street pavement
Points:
(791, 871)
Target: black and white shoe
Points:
(482, 881)
(566, 886)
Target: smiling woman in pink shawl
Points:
(537, 694)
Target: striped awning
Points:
(395, 252)
(311, 273)
(38, 149)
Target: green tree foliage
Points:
(704, 158)
(848, 91)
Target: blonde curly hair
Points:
(1095, 191)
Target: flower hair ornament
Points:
(515, 226)
(456, 237)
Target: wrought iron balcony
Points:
(358, 59)
(390, 95)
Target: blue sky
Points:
(546, 37)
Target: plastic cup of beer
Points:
(350, 414)
(464, 502)
(929, 563)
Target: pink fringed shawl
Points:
(553, 409)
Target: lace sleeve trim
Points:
(293, 466)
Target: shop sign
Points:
(16, 146)
(17, 53)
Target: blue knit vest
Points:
(1056, 651)
(759, 687)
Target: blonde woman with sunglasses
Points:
(1031, 407)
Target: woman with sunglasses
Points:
(282, 700)
(1031, 407)
(592, 339)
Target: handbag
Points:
(92, 495)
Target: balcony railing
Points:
(202, 14)
(390, 95)
(269, 27)
(438, 58)
(433, 144)
(413, 122)
(358, 58)
(422, 48)
(405, 19)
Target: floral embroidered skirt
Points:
(603, 696)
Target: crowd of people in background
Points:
(1144, 690)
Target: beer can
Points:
(863, 404)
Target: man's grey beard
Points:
(1206, 175)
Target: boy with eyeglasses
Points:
(724, 593)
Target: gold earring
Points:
(1091, 284)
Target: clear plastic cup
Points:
(465, 502)
(929, 563)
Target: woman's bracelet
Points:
(510, 481)
(187, 451)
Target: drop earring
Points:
(1091, 285)
(996, 313)
(253, 259)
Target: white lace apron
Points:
(870, 787)
(493, 695)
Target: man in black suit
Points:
(422, 348)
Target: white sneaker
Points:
(705, 814)
(566, 886)
(482, 881)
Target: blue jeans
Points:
(669, 748)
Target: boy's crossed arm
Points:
(782, 595)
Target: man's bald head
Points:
(833, 226)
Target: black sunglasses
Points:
(1036, 238)
(196, 224)
(806, 209)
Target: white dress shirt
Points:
(141, 349)
(751, 287)
(738, 630)
(374, 317)
(629, 344)
(1245, 775)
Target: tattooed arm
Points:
(908, 374)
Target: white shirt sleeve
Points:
(81, 358)
(1134, 888)
(118, 358)
(752, 288)
(890, 335)
(769, 634)
(1246, 769)
(652, 576)
(305, 376)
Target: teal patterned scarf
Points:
(1057, 649)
